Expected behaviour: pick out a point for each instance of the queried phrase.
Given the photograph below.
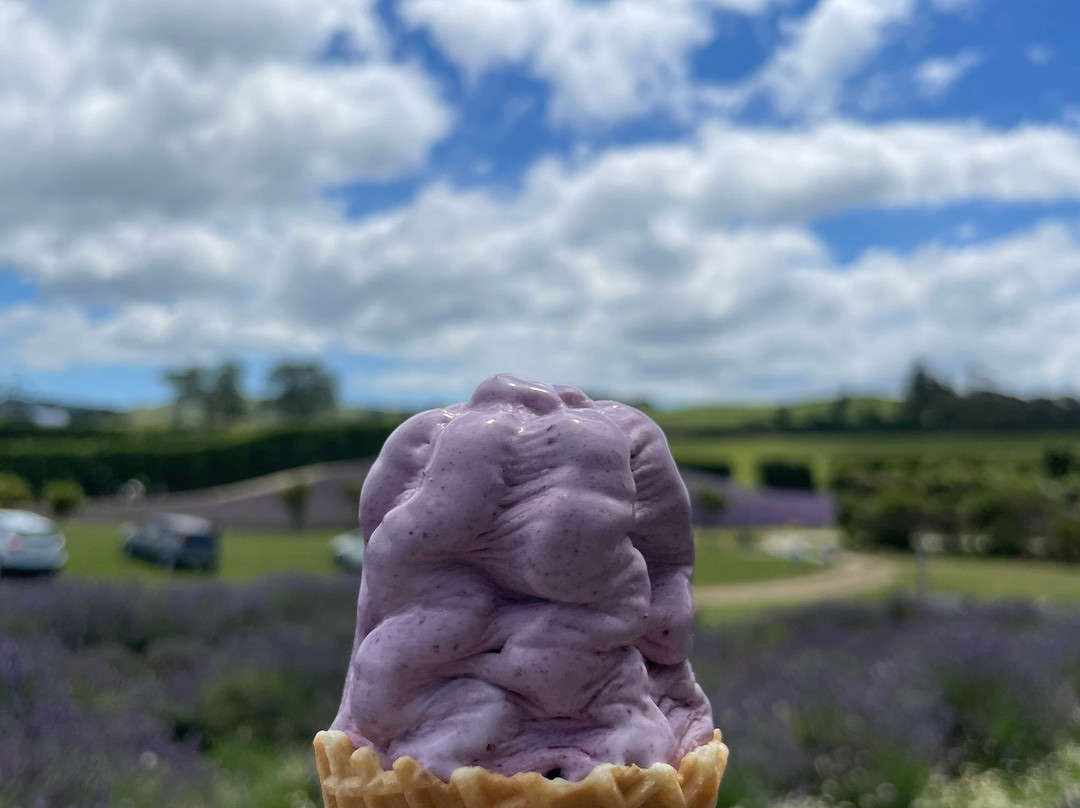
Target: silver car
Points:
(29, 542)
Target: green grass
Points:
(984, 579)
(720, 561)
(997, 578)
(820, 450)
(94, 552)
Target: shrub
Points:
(888, 519)
(775, 474)
(721, 468)
(295, 498)
(1066, 544)
(14, 490)
(1009, 517)
(63, 496)
(1058, 462)
(712, 501)
(351, 490)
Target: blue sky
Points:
(685, 200)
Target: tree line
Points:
(213, 397)
(931, 403)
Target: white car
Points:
(348, 550)
(29, 542)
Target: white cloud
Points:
(604, 61)
(166, 160)
(829, 46)
(937, 75)
(1039, 54)
(680, 271)
(121, 108)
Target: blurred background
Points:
(831, 246)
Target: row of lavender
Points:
(121, 695)
(113, 696)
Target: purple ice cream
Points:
(525, 602)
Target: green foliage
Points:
(1066, 546)
(63, 496)
(212, 395)
(996, 507)
(712, 501)
(351, 490)
(295, 498)
(14, 490)
(179, 461)
(302, 390)
(224, 401)
(996, 721)
(720, 468)
(778, 474)
(1058, 462)
(887, 519)
(253, 703)
(1009, 517)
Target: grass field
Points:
(820, 450)
(720, 561)
(981, 579)
(94, 552)
(246, 555)
(997, 578)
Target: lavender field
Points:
(116, 695)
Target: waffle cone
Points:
(354, 778)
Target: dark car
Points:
(175, 540)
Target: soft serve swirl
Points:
(525, 601)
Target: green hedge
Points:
(778, 474)
(177, 461)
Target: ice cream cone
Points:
(354, 778)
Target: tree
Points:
(189, 391)
(927, 402)
(782, 419)
(840, 413)
(63, 496)
(302, 390)
(223, 401)
(213, 395)
(14, 490)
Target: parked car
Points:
(174, 540)
(348, 550)
(30, 542)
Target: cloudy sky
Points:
(682, 199)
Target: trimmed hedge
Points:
(720, 468)
(775, 474)
(177, 461)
